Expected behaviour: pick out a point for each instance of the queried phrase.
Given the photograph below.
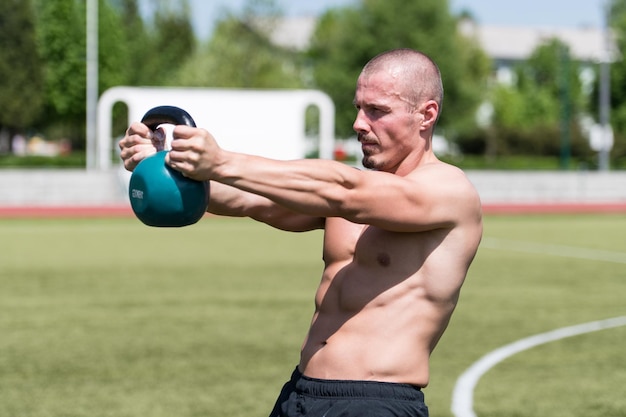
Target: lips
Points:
(368, 145)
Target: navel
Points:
(383, 259)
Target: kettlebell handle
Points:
(167, 114)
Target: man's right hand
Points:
(137, 144)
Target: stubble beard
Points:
(370, 161)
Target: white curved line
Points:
(463, 394)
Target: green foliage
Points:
(61, 29)
(21, 77)
(530, 115)
(346, 39)
(74, 160)
(47, 95)
(173, 42)
(536, 141)
(524, 108)
(472, 80)
(137, 42)
(545, 82)
(338, 57)
(113, 48)
(618, 67)
(240, 54)
(617, 22)
(62, 33)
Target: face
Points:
(387, 127)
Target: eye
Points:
(376, 112)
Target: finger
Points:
(136, 134)
(140, 130)
(184, 132)
(134, 156)
(173, 163)
(182, 137)
(176, 159)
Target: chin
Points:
(370, 163)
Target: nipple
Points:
(383, 259)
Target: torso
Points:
(383, 301)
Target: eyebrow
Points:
(378, 103)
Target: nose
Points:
(360, 124)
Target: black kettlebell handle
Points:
(167, 114)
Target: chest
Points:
(346, 242)
(365, 263)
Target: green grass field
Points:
(107, 317)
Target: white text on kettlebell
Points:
(137, 194)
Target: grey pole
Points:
(92, 83)
(605, 95)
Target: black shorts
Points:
(310, 397)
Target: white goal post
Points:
(268, 123)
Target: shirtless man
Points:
(398, 239)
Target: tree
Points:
(61, 35)
(138, 43)
(240, 54)
(543, 82)
(172, 42)
(113, 50)
(120, 51)
(21, 77)
(538, 115)
(617, 23)
(346, 38)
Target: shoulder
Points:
(442, 175)
(447, 185)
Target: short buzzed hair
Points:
(421, 75)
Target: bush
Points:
(73, 160)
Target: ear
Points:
(430, 110)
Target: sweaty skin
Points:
(398, 239)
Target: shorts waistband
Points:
(355, 389)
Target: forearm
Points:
(313, 187)
(229, 201)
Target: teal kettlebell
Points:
(159, 195)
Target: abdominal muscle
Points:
(373, 321)
(371, 346)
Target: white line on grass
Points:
(554, 250)
(463, 394)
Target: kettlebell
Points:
(159, 195)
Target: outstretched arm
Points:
(138, 143)
(432, 196)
